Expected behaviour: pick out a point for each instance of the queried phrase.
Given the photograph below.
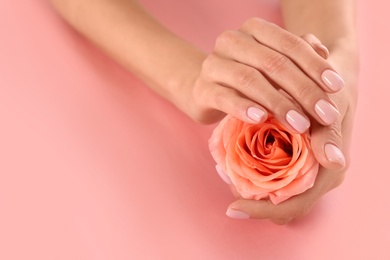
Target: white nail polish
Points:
(237, 214)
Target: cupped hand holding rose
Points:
(292, 199)
(263, 69)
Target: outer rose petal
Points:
(297, 186)
(216, 142)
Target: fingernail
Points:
(255, 114)
(334, 154)
(297, 121)
(332, 80)
(223, 175)
(326, 111)
(324, 51)
(237, 214)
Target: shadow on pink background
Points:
(93, 165)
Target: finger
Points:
(251, 84)
(316, 44)
(221, 98)
(281, 72)
(297, 50)
(263, 209)
(326, 142)
(223, 175)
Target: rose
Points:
(264, 161)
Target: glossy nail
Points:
(237, 214)
(326, 111)
(297, 121)
(223, 175)
(255, 114)
(332, 80)
(334, 154)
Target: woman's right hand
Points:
(251, 70)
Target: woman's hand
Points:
(338, 134)
(249, 69)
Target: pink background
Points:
(91, 168)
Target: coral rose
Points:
(264, 161)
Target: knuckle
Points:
(226, 38)
(306, 92)
(308, 37)
(246, 78)
(207, 63)
(291, 42)
(220, 99)
(315, 64)
(198, 117)
(256, 22)
(278, 104)
(223, 102)
(334, 131)
(209, 68)
(252, 22)
(274, 62)
(201, 112)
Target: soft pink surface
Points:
(95, 166)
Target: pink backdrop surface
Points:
(93, 165)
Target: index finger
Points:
(297, 50)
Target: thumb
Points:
(326, 142)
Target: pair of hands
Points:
(262, 68)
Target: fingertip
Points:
(256, 114)
(255, 209)
(237, 214)
(334, 155)
(330, 156)
(326, 143)
(223, 175)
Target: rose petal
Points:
(298, 186)
(220, 139)
(264, 160)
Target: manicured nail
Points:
(326, 111)
(332, 80)
(237, 214)
(297, 121)
(223, 175)
(255, 114)
(334, 154)
(324, 51)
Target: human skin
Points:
(184, 75)
(333, 22)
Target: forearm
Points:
(332, 21)
(125, 31)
